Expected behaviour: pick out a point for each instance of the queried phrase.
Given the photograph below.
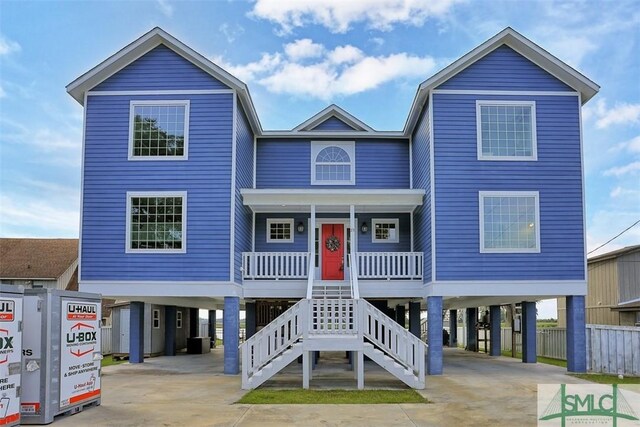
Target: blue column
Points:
(170, 330)
(453, 328)
(212, 327)
(401, 314)
(529, 332)
(194, 322)
(250, 318)
(414, 318)
(434, 335)
(231, 333)
(576, 334)
(136, 332)
(472, 336)
(494, 334)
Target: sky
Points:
(297, 57)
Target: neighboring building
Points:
(613, 295)
(39, 263)
(333, 227)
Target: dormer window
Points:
(333, 163)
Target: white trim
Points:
(292, 230)
(411, 161)
(394, 221)
(253, 231)
(534, 194)
(348, 146)
(255, 161)
(148, 288)
(84, 137)
(432, 179)
(332, 134)
(481, 288)
(504, 92)
(232, 201)
(584, 207)
(134, 103)
(412, 229)
(158, 92)
(178, 319)
(154, 318)
(337, 112)
(534, 130)
(129, 195)
(345, 222)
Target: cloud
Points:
(378, 41)
(632, 146)
(310, 69)
(165, 8)
(231, 32)
(3, 94)
(630, 168)
(339, 15)
(620, 192)
(622, 113)
(8, 46)
(37, 217)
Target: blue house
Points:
(316, 231)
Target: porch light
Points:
(364, 228)
(300, 227)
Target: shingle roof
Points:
(36, 258)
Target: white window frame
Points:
(178, 319)
(131, 194)
(280, 221)
(135, 103)
(483, 194)
(155, 317)
(348, 146)
(394, 221)
(534, 132)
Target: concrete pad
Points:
(190, 390)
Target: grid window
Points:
(179, 319)
(506, 130)
(385, 231)
(332, 164)
(509, 222)
(159, 129)
(280, 230)
(156, 319)
(157, 223)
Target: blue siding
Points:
(244, 179)
(504, 69)
(420, 146)
(459, 176)
(108, 175)
(287, 164)
(333, 124)
(160, 69)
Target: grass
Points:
(109, 360)
(607, 379)
(541, 359)
(327, 397)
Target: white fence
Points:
(389, 265)
(105, 347)
(275, 265)
(610, 349)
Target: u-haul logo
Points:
(77, 311)
(7, 310)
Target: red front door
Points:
(332, 251)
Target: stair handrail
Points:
(387, 335)
(275, 338)
(353, 274)
(311, 276)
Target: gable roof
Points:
(145, 44)
(333, 111)
(36, 258)
(525, 47)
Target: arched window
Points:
(333, 164)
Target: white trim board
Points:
(480, 288)
(143, 288)
(232, 202)
(337, 112)
(503, 92)
(158, 92)
(292, 230)
(83, 153)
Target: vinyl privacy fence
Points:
(106, 347)
(610, 349)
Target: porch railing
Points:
(275, 265)
(390, 265)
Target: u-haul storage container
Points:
(10, 353)
(61, 366)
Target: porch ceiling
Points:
(332, 200)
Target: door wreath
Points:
(332, 243)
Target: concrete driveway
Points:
(190, 390)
